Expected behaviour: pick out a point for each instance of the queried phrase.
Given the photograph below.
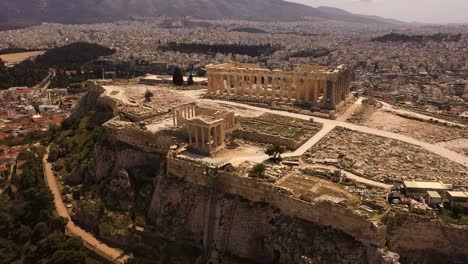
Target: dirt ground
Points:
(384, 159)
(450, 137)
(19, 57)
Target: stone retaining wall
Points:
(264, 138)
(323, 213)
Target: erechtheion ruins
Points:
(207, 128)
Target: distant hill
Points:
(336, 13)
(90, 11)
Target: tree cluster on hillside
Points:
(313, 53)
(70, 57)
(177, 77)
(26, 73)
(250, 50)
(29, 230)
(248, 30)
(73, 56)
(440, 37)
(13, 50)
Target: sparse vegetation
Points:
(275, 151)
(440, 37)
(280, 125)
(312, 53)
(455, 216)
(250, 50)
(259, 170)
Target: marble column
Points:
(274, 87)
(265, 87)
(189, 128)
(298, 90)
(307, 90)
(196, 136)
(316, 91)
(323, 88)
(282, 88)
(252, 85)
(258, 86)
(242, 85)
(202, 136)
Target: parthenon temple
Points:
(207, 128)
(319, 86)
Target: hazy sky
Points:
(429, 11)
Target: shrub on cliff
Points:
(259, 170)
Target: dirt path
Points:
(327, 124)
(391, 108)
(350, 175)
(351, 110)
(91, 242)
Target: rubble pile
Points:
(384, 159)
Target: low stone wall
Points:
(133, 135)
(323, 213)
(264, 138)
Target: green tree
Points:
(259, 170)
(68, 256)
(40, 231)
(59, 224)
(23, 234)
(457, 211)
(275, 151)
(6, 221)
(177, 77)
(148, 95)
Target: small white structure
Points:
(433, 198)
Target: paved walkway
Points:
(351, 110)
(350, 175)
(330, 124)
(114, 255)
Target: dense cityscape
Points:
(229, 141)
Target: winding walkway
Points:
(114, 255)
(350, 175)
(391, 108)
(329, 125)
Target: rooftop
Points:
(434, 194)
(232, 65)
(458, 194)
(425, 185)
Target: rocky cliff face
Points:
(90, 103)
(419, 239)
(239, 228)
(235, 229)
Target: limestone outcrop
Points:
(420, 239)
(234, 218)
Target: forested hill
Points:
(70, 57)
(73, 56)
